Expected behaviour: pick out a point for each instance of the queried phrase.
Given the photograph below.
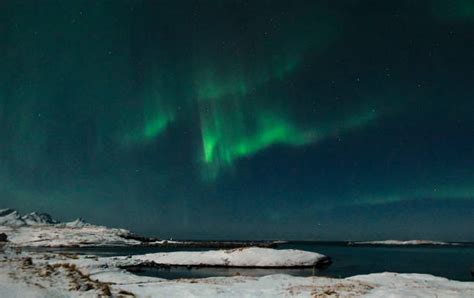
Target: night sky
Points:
(317, 120)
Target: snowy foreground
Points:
(65, 275)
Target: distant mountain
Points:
(12, 218)
(35, 218)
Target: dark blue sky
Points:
(323, 120)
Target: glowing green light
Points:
(155, 117)
(155, 126)
(231, 133)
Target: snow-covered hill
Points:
(40, 229)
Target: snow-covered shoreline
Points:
(27, 274)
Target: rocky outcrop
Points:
(11, 217)
(36, 218)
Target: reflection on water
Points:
(453, 262)
(113, 251)
(203, 272)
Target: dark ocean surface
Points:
(450, 261)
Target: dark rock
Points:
(5, 212)
(324, 263)
(27, 261)
(131, 236)
(3, 237)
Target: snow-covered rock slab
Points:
(388, 284)
(254, 257)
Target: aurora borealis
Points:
(241, 119)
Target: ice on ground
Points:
(241, 257)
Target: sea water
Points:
(450, 261)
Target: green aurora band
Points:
(230, 134)
(237, 115)
(153, 119)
